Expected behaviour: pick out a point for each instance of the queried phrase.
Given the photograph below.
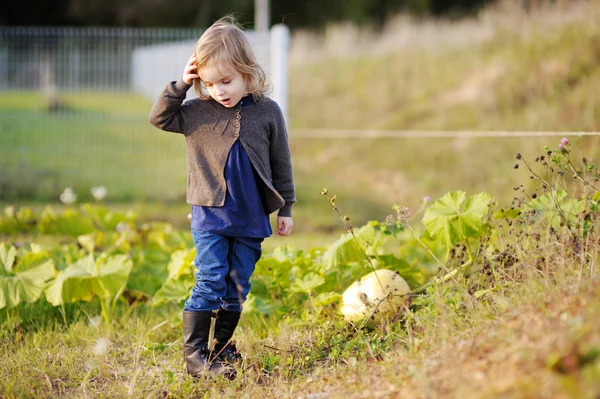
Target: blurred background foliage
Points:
(200, 13)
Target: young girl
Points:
(239, 172)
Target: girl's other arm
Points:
(167, 112)
(281, 170)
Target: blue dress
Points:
(243, 214)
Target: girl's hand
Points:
(284, 225)
(191, 70)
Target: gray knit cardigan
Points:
(210, 130)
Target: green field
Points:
(97, 139)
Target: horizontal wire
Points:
(371, 133)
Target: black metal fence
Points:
(76, 58)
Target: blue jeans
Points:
(225, 265)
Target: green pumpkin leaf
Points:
(307, 283)
(174, 291)
(8, 254)
(165, 237)
(25, 281)
(86, 278)
(512, 213)
(448, 221)
(181, 263)
(88, 241)
(113, 272)
(327, 298)
(71, 223)
(271, 277)
(415, 277)
(17, 221)
(347, 250)
(283, 253)
(556, 205)
(258, 304)
(103, 217)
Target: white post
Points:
(280, 41)
(261, 15)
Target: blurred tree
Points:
(164, 13)
(456, 7)
(41, 12)
(200, 13)
(317, 13)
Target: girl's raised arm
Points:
(191, 71)
(167, 113)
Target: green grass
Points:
(535, 334)
(125, 104)
(89, 146)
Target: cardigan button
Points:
(237, 126)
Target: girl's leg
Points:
(199, 362)
(211, 261)
(226, 324)
(243, 255)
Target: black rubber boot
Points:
(198, 360)
(225, 326)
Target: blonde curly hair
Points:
(225, 44)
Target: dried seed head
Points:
(404, 213)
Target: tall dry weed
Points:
(403, 32)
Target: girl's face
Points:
(225, 85)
